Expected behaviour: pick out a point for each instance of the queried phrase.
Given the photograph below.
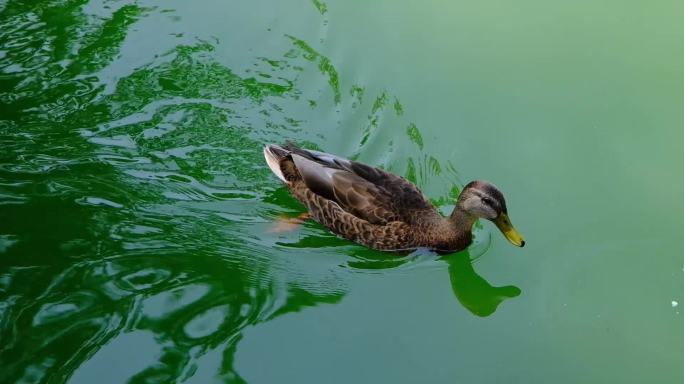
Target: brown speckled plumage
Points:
(368, 205)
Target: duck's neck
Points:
(462, 219)
(461, 223)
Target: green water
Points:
(136, 211)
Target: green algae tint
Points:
(137, 213)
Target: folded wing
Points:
(369, 193)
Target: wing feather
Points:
(367, 192)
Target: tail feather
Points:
(274, 155)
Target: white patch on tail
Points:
(273, 163)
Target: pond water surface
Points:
(137, 213)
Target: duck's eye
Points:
(487, 200)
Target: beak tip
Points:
(522, 243)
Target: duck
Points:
(381, 210)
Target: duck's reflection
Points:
(475, 293)
(472, 290)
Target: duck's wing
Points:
(367, 192)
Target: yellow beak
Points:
(505, 226)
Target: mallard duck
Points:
(381, 210)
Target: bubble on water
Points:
(674, 304)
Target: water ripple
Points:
(141, 208)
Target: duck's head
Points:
(482, 199)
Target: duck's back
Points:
(371, 193)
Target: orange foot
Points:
(286, 224)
